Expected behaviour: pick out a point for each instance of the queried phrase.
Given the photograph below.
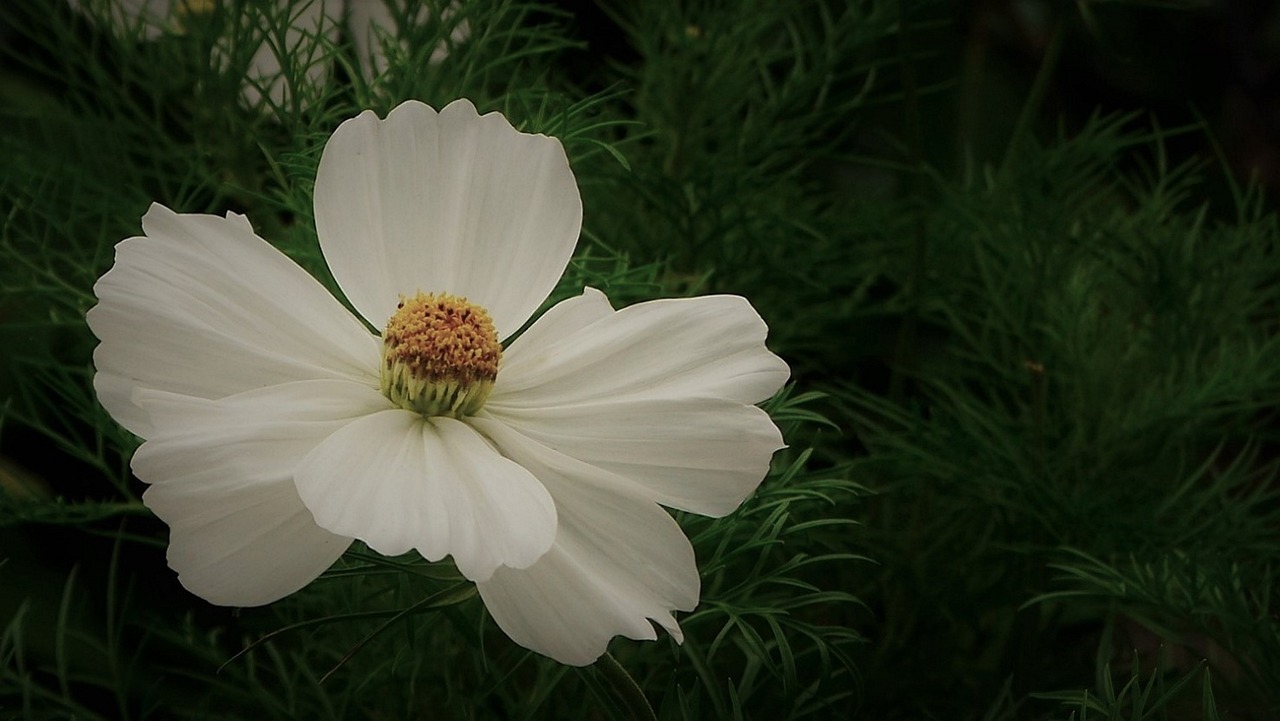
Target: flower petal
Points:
(560, 321)
(451, 202)
(222, 479)
(203, 307)
(398, 482)
(618, 561)
(657, 393)
(710, 347)
(243, 546)
(704, 455)
(262, 434)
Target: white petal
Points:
(560, 321)
(203, 307)
(221, 475)
(618, 562)
(451, 202)
(657, 393)
(711, 347)
(243, 546)
(258, 435)
(399, 482)
(704, 455)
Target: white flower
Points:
(313, 26)
(278, 428)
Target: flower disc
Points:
(440, 355)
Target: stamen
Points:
(440, 355)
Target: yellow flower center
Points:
(440, 355)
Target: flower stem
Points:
(625, 688)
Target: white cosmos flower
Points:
(312, 27)
(278, 428)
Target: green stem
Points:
(625, 688)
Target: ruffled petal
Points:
(618, 563)
(243, 546)
(399, 482)
(202, 307)
(450, 202)
(703, 455)
(658, 393)
(708, 347)
(221, 475)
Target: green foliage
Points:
(1137, 699)
(1092, 370)
(743, 108)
